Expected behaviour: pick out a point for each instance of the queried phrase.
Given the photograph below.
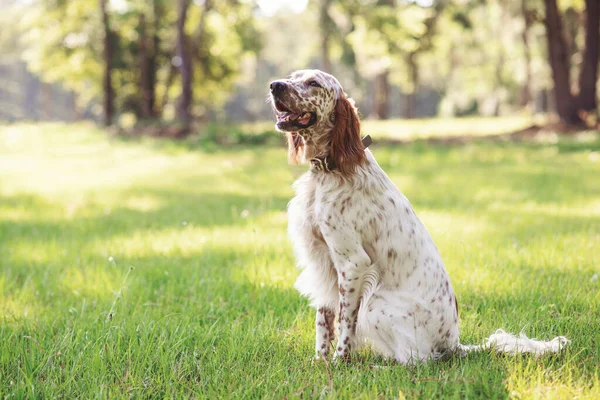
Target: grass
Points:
(151, 269)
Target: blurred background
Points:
(149, 65)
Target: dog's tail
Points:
(503, 342)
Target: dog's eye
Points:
(314, 84)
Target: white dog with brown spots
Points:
(365, 256)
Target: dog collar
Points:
(327, 164)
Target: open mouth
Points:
(289, 120)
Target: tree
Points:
(567, 104)
(82, 43)
(586, 100)
(149, 49)
(381, 84)
(185, 64)
(559, 63)
(327, 27)
(218, 36)
(423, 43)
(381, 95)
(108, 102)
(390, 40)
(527, 16)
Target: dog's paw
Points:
(320, 357)
(341, 357)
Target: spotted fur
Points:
(366, 258)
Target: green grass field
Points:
(143, 268)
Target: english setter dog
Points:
(365, 256)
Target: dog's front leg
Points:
(350, 276)
(350, 262)
(325, 331)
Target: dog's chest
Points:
(311, 209)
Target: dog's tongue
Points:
(290, 116)
(305, 119)
(287, 116)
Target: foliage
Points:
(9, 34)
(144, 269)
(387, 33)
(452, 58)
(64, 44)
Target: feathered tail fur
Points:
(503, 342)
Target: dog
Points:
(365, 256)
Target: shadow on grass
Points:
(174, 210)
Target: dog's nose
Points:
(277, 87)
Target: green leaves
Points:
(63, 43)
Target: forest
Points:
(187, 61)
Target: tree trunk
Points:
(559, 63)
(571, 22)
(108, 102)
(410, 109)
(157, 12)
(31, 91)
(325, 55)
(381, 96)
(586, 100)
(146, 88)
(185, 100)
(325, 24)
(499, 80)
(169, 82)
(149, 49)
(526, 97)
(46, 101)
(75, 108)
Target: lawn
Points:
(153, 268)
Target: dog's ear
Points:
(295, 147)
(347, 149)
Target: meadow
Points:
(155, 268)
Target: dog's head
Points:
(312, 108)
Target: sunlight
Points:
(259, 252)
(143, 203)
(31, 252)
(452, 224)
(439, 127)
(98, 282)
(15, 214)
(271, 7)
(84, 165)
(18, 304)
(573, 209)
(119, 6)
(266, 232)
(13, 310)
(529, 378)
